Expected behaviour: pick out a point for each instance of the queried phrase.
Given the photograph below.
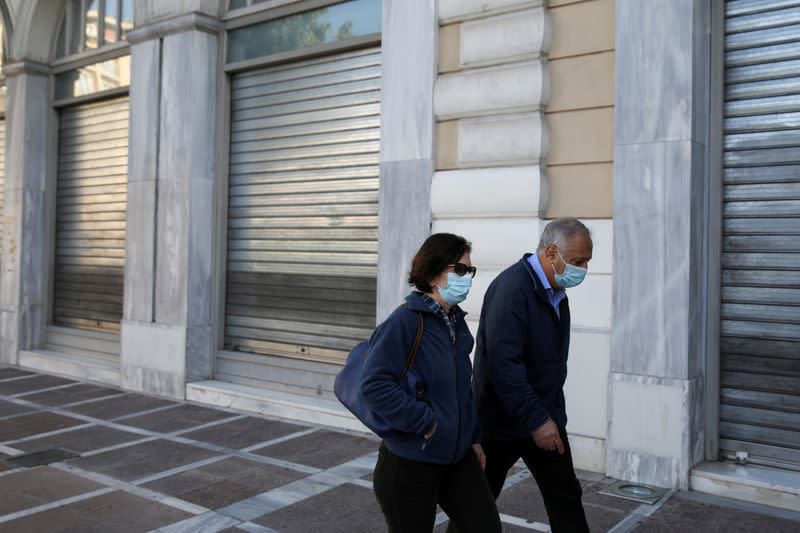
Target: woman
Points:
(435, 456)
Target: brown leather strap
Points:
(413, 353)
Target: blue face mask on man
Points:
(457, 288)
(572, 275)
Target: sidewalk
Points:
(111, 461)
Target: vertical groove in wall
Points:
(156, 180)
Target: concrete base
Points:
(100, 370)
(153, 358)
(588, 453)
(767, 486)
(273, 403)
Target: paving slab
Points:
(77, 393)
(121, 406)
(507, 528)
(33, 424)
(8, 372)
(182, 417)
(680, 514)
(322, 449)
(122, 511)
(224, 482)
(346, 509)
(11, 408)
(523, 500)
(59, 520)
(245, 432)
(79, 440)
(141, 460)
(37, 486)
(39, 382)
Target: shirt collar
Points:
(537, 267)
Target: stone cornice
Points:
(189, 22)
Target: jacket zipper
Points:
(458, 399)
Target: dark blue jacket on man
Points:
(446, 373)
(521, 356)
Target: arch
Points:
(37, 26)
(8, 30)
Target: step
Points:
(757, 484)
(280, 404)
(98, 369)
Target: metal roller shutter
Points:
(2, 172)
(90, 219)
(760, 398)
(303, 207)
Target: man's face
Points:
(578, 252)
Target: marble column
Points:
(661, 176)
(25, 240)
(409, 50)
(167, 336)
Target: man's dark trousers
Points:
(554, 473)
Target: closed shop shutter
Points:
(90, 216)
(2, 172)
(760, 398)
(303, 207)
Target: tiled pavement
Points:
(138, 463)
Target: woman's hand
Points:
(429, 435)
(481, 456)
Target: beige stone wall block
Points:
(455, 10)
(450, 48)
(447, 145)
(585, 136)
(582, 28)
(558, 3)
(583, 191)
(581, 82)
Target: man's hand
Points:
(547, 438)
(481, 455)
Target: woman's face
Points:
(441, 279)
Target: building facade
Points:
(215, 200)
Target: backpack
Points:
(348, 391)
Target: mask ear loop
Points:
(553, 265)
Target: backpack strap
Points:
(412, 355)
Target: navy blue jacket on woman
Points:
(521, 356)
(446, 373)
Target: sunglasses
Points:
(461, 269)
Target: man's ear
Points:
(551, 252)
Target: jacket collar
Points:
(418, 303)
(538, 287)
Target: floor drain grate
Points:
(44, 457)
(634, 491)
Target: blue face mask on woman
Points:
(572, 275)
(457, 288)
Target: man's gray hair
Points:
(560, 231)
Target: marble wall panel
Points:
(409, 33)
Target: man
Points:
(521, 367)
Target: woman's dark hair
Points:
(433, 257)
